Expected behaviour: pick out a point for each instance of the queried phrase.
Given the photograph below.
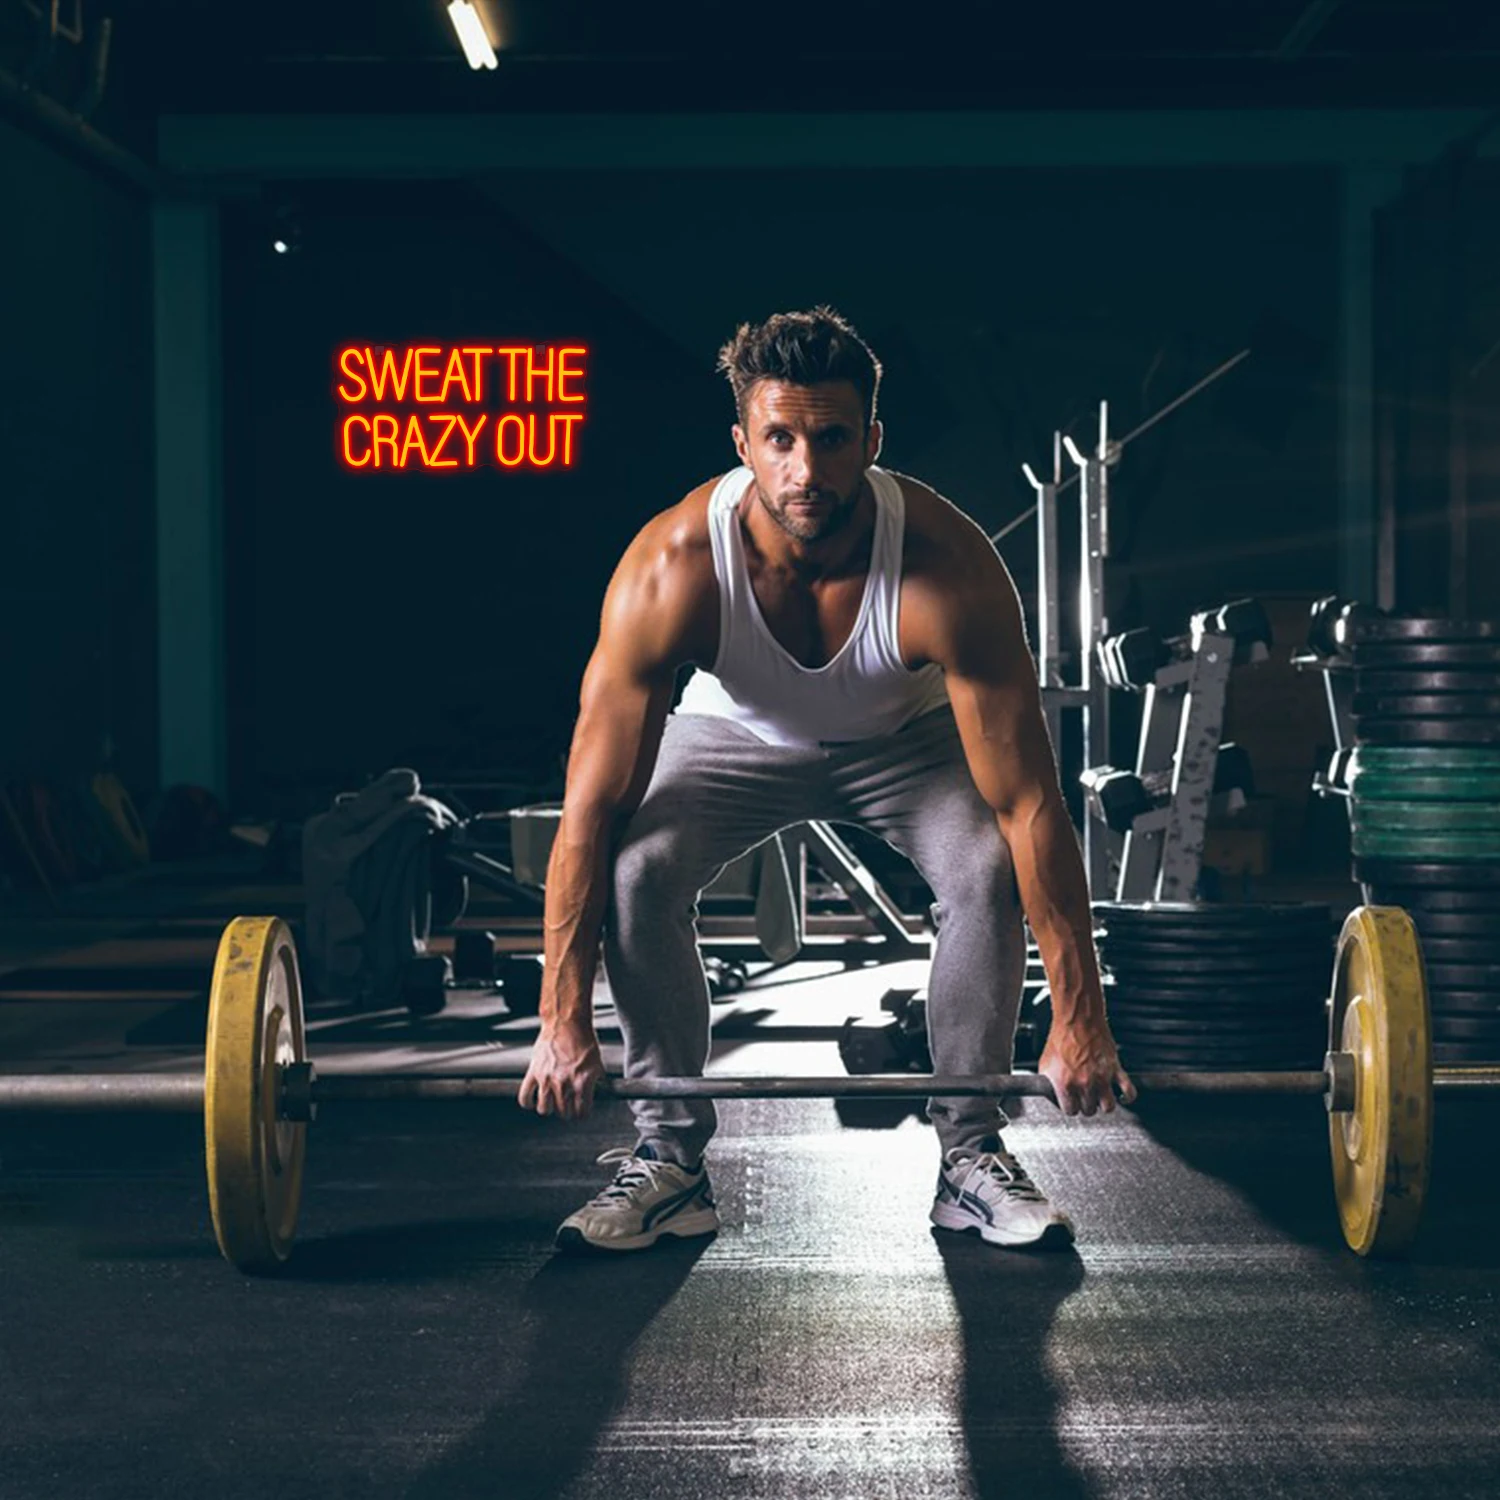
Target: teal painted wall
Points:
(77, 566)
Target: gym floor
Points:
(1211, 1333)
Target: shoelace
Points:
(1004, 1170)
(633, 1170)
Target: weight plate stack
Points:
(1216, 987)
(1424, 810)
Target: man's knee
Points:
(984, 885)
(653, 878)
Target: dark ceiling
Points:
(816, 55)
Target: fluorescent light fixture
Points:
(471, 35)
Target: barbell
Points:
(259, 1092)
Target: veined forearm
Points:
(1055, 896)
(572, 920)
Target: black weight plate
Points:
(1418, 680)
(1472, 909)
(1464, 1054)
(1435, 657)
(1441, 950)
(1463, 1003)
(1426, 705)
(1148, 1059)
(1170, 912)
(1465, 1029)
(1388, 731)
(1128, 1012)
(1456, 926)
(1280, 998)
(1426, 874)
(1269, 966)
(1464, 976)
(1269, 951)
(1421, 629)
(1188, 1033)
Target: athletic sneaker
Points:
(990, 1193)
(647, 1199)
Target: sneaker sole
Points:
(1054, 1236)
(689, 1226)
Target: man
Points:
(861, 658)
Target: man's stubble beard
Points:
(811, 528)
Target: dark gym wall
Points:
(77, 499)
(414, 617)
(381, 617)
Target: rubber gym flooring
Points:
(1210, 1335)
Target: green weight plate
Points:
(1425, 817)
(1433, 657)
(1405, 681)
(1484, 846)
(1405, 629)
(1387, 731)
(1426, 705)
(1408, 786)
(1425, 760)
(1446, 876)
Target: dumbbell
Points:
(1332, 623)
(1117, 798)
(1132, 659)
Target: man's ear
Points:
(873, 440)
(741, 445)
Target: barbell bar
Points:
(303, 1089)
(258, 1091)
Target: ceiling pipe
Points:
(45, 117)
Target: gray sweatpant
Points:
(717, 791)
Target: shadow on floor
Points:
(1007, 1302)
(566, 1363)
(1275, 1151)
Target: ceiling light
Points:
(471, 34)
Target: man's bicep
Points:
(992, 685)
(622, 711)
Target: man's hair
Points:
(802, 348)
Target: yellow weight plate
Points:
(1381, 1147)
(254, 1029)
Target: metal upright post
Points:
(1093, 509)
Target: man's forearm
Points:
(573, 919)
(1055, 896)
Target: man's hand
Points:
(565, 1066)
(1084, 1068)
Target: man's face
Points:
(809, 450)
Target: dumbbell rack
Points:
(1181, 727)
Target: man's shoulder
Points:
(680, 533)
(938, 534)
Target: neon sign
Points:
(460, 406)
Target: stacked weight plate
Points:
(1424, 809)
(1217, 987)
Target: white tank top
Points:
(864, 691)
